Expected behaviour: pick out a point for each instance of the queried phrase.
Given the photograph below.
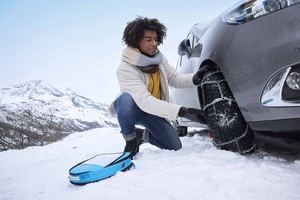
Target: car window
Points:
(190, 37)
(195, 40)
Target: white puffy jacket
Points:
(135, 82)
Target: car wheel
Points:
(229, 129)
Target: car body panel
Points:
(248, 55)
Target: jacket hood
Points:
(135, 57)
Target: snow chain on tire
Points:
(228, 126)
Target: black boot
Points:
(132, 146)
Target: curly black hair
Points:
(134, 30)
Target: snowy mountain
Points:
(197, 171)
(40, 107)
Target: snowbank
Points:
(197, 171)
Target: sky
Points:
(78, 44)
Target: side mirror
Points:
(184, 48)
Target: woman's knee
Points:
(125, 98)
(125, 104)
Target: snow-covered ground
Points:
(197, 171)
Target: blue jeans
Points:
(161, 133)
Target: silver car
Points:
(252, 52)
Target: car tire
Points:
(228, 127)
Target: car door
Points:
(187, 97)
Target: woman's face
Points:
(148, 44)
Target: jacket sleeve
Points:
(175, 79)
(130, 81)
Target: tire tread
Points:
(228, 126)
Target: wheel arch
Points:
(208, 62)
(212, 62)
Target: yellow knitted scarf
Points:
(154, 84)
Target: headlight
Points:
(283, 88)
(248, 10)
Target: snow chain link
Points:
(236, 140)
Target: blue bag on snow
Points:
(99, 167)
